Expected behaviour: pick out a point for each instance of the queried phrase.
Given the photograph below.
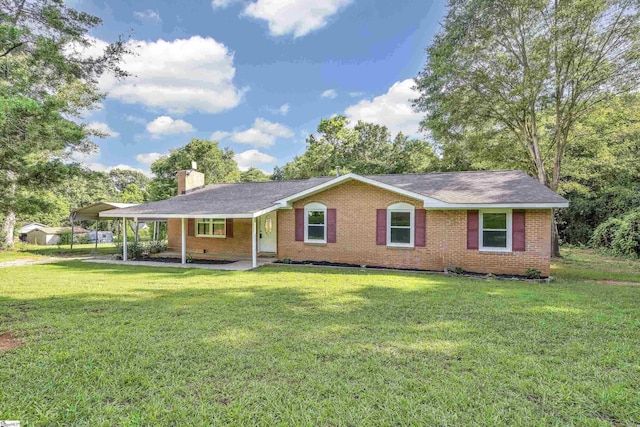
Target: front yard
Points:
(119, 345)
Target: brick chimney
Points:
(189, 179)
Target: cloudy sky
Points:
(255, 75)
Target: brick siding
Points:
(356, 204)
(446, 236)
(239, 244)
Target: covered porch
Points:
(244, 238)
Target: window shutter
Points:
(518, 231)
(381, 227)
(299, 225)
(420, 239)
(229, 227)
(472, 229)
(191, 227)
(331, 226)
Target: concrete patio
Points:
(240, 265)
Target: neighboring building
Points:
(487, 221)
(27, 227)
(51, 235)
(103, 236)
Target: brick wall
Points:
(239, 244)
(446, 236)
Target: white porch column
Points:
(254, 244)
(184, 243)
(124, 239)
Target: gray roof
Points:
(483, 187)
(475, 187)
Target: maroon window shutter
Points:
(472, 229)
(331, 226)
(518, 231)
(191, 227)
(420, 230)
(299, 225)
(229, 227)
(381, 227)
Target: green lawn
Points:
(119, 345)
(35, 252)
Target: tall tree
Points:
(365, 148)
(253, 175)
(122, 178)
(46, 79)
(503, 65)
(216, 163)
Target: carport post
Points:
(184, 243)
(96, 234)
(254, 244)
(124, 239)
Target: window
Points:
(315, 223)
(495, 230)
(209, 227)
(400, 223)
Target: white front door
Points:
(267, 233)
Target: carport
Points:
(92, 213)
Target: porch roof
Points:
(452, 190)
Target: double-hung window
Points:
(315, 223)
(400, 225)
(495, 230)
(209, 227)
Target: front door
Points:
(267, 233)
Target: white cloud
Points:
(356, 94)
(297, 17)
(178, 76)
(135, 119)
(253, 158)
(282, 110)
(165, 125)
(220, 135)
(148, 158)
(220, 4)
(329, 94)
(103, 129)
(263, 134)
(147, 16)
(393, 109)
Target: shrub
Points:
(65, 238)
(605, 233)
(626, 241)
(533, 273)
(142, 249)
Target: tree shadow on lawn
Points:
(272, 339)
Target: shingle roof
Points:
(237, 198)
(475, 187)
(483, 187)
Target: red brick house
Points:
(486, 221)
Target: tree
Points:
(132, 194)
(253, 175)
(46, 79)
(530, 69)
(122, 178)
(217, 165)
(365, 148)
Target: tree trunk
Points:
(9, 224)
(8, 228)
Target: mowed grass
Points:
(23, 251)
(119, 345)
(585, 264)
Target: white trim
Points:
(402, 207)
(210, 236)
(183, 247)
(466, 206)
(356, 177)
(254, 244)
(172, 216)
(509, 230)
(314, 207)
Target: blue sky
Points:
(256, 75)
